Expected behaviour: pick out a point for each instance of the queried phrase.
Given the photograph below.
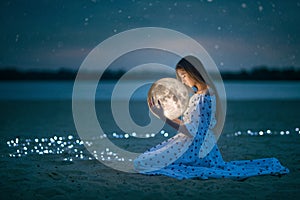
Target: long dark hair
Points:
(195, 69)
(190, 70)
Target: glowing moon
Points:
(172, 95)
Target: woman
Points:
(193, 152)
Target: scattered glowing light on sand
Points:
(74, 149)
(268, 132)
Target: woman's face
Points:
(185, 78)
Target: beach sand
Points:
(50, 177)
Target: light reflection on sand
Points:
(72, 148)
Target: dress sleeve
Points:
(200, 114)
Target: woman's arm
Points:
(178, 125)
(175, 123)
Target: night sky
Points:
(48, 34)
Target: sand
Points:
(50, 177)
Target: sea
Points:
(138, 89)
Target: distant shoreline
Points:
(259, 73)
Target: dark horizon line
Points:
(262, 72)
(38, 69)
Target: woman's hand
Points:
(157, 110)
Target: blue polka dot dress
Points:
(196, 155)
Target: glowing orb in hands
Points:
(171, 95)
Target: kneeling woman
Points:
(193, 152)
